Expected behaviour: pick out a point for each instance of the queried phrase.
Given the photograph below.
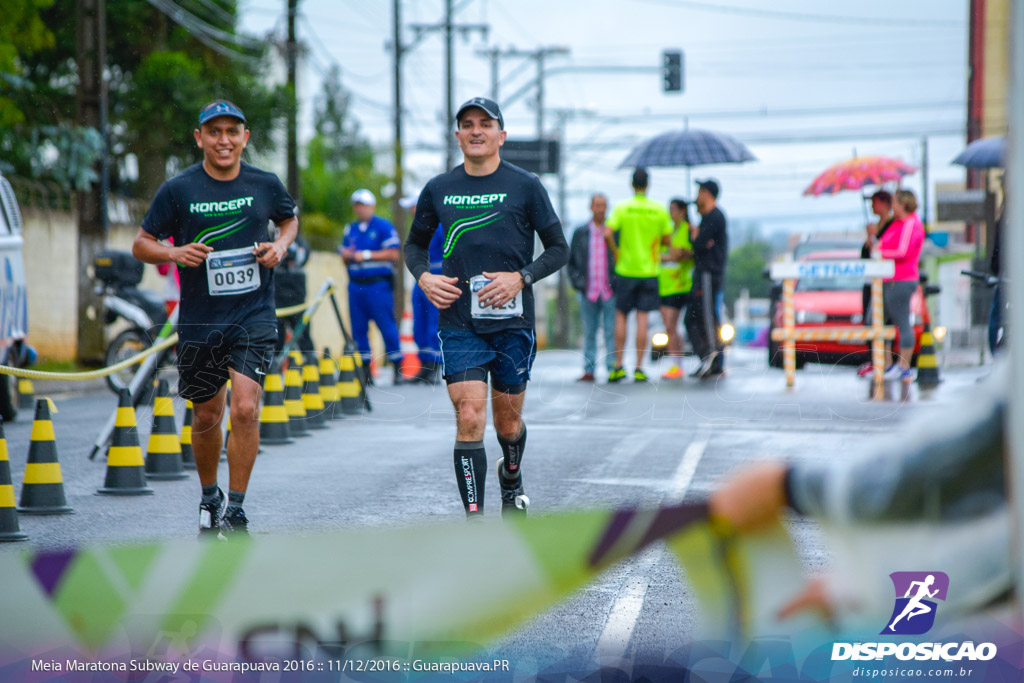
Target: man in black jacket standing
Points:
(592, 272)
(710, 252)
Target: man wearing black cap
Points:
(490, 210)
(217, 212)
(710, 251)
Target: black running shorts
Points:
(636, 294)
(203, 369)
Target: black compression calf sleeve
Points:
(513, 451)
(471, 474)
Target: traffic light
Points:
(672, 61)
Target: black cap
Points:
(490, 107)
(640, 178)
(212, 110)
(709, 185)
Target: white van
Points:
(13, 298)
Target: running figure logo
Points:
(914, 612)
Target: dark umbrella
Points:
(983, 153)
(688, 148)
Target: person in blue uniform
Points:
(424, 313)
(370, 249)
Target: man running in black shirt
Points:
(710, 251)
(217, 212)
(490, 210)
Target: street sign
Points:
(535, 156)
(861, 268)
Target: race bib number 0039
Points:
(510, 309)
(234, 271)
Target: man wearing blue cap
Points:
(218, 212)
(370, 250)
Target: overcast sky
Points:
(873, 76)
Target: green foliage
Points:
(322, 233)
(338, 160)
(159, 75)
(746, 271)
(22, 32)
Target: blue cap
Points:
(217, 108)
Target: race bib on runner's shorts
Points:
(511, 309)
(234, 271)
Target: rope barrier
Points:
(159, 346)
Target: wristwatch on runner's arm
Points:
(527, 277)
(366, 255)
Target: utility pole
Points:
(449, 29)
(291, 58)
(493, 54)
(397, 213)
(91, 105)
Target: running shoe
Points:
(907, 376)
(617, 375)
(234, 523)
(674, 372)
(708, 367)
(210, 515)
(586, 377)
(514, 501)
(865, 370)
(640, 376)
(892, 372)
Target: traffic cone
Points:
(26, 392)
(293, 403)
(188, 457)
(126, 468)
(163, 455)
(9, 529)
(410, 352)
(316, 417)
(42, 490)
(329, 387)
(927, 364)
(274, 428)
(349, 388)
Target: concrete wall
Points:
(51, 248)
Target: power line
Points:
(907, 23)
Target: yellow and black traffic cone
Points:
(329, 386)
(274, 427)
(313, 402)
(349, 389)
(26, 397)
(927, 364)
(188, 456)
(42, 490)
(363, 374)
(163, 455)
(293, 403)
(126, 468)
(9, 529)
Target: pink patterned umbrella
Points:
(855, 173)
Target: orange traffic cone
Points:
(42, 490)
(9, 529)
(126, 468)
(163, 455)
(410, 352)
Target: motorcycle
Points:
(119, 274)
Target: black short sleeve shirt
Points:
(489, 225)
(230, 296)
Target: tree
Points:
(22, 33)
(746, 271)
(339, 161)
(159, 74)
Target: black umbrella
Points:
(688, 148)
(983, 153)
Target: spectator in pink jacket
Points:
(902, 243)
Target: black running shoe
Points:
(234, 523)
(514, 501)
(210, 515)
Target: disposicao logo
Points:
(916, 593)
(913, 615)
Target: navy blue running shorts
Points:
(506, 356)
(203, 368)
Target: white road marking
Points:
(625, 612)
